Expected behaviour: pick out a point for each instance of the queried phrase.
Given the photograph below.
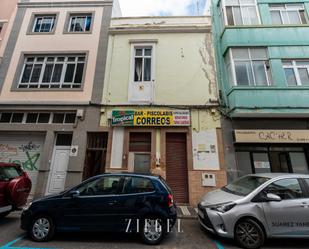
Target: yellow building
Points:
(160, 103)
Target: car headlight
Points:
(27, 206)
(224, 207)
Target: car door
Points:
(4, 202)
(95, 208)
(290, 216)
(134, 201)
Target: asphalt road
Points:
(189, 236)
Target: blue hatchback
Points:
(121, 202)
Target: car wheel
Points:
(249, 234)
(4, 214)
(42, 229)
(153, 230)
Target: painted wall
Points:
(282, 42)
(183, 64)
(57, 42)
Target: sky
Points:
(162, 7)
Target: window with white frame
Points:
(241, 12)
(61, 71)
(288, 14)
(248, 67)
(296, 72)
(43, 23)
(80, 23)
(143, 63)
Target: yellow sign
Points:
(272, 136)
(151, 118)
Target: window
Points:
(38, 118)
(137, 185)
(296, 72)
(9, 117)
(245, 185)
(287, 189)
(288, 14)
(7, 173)
(53, 71)
(80, 23)
(101, 186)
(248, 67)
(17, 117)
(64, 118)
(241, 12)
(64, 139)
(307, 181)
(142, 64)
(43, 24)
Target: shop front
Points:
(183, 146)
(264, 151)
(153, 141)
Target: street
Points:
(189, 236)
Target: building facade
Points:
(160, 103)
(7, 14)
(51, 89)
(262, 51)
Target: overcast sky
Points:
(162, 7)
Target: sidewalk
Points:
(186, 212)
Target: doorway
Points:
(95, 159)
(140, 152)
(176, 166)
(59, 164)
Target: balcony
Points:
(295, 35)
(268, 101)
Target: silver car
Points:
(258, 206)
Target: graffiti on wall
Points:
(27, 155)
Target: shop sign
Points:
(150, 118)
(272, 136)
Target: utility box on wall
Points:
(208, 180)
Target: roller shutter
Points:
(24, 149)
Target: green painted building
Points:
(262, 51)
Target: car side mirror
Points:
(74, 193)
(273, 197)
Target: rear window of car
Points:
(133, 185)
(166, 185)
(10, 172)
(245, 185)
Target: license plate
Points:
(201, 214)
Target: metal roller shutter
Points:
(176, 166)
(24, 149)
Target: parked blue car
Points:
(121, 202)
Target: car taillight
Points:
(170, 200)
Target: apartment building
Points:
(51, 83)
(160, 103)
(262, 51)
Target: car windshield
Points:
(245, 185)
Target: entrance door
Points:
(95, 154)
(176, 166)
(59, 164)
(140, 152)
(142, 163)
